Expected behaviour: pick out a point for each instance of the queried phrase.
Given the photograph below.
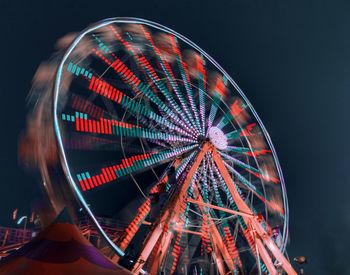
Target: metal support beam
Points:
(147, 249)
(219, 262)
(189, 231)
(219, 208)
(167, 216)
(160, 254)
(176, 205)
(265, 256)
(243, 207)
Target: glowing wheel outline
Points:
(217, 66)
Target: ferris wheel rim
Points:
(64, 162)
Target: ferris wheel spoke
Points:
(252, 152)
(254, 171)
(181, 168)
(240, 150)
(101, 87)
(186, 79)
(128, 165)
(213, 110)
(131, 106)
(219, 91)
(247, 183)
(263, 197)
(160, 143)
(148, 70)
(241, 164)
(90, 143)
(97, 85)
(169, 76)
(258, 152)
(83, 105)
(202, 80)
(236, 109)
(139, 87)
(243, 132)
(120, 128)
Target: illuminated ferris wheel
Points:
(155, 134)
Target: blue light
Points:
(21, 219)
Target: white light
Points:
(218, 138)
(21, 219)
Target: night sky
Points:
(291, 59)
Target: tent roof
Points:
(59, 249)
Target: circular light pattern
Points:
(218, 138)
(155, 134)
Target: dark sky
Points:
(292, 60)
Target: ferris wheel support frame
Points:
(260, 235)
(219, 262)
(155, 234)
(161, 251)
(217, 244)
(221, 256)
(256, 225)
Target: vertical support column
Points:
(147, 249)
(161, 252)
(265, 256)
(172, 212)
(219, 262)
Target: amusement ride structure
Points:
(155, 134)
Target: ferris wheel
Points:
(155, 134)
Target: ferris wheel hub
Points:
(218, 138)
